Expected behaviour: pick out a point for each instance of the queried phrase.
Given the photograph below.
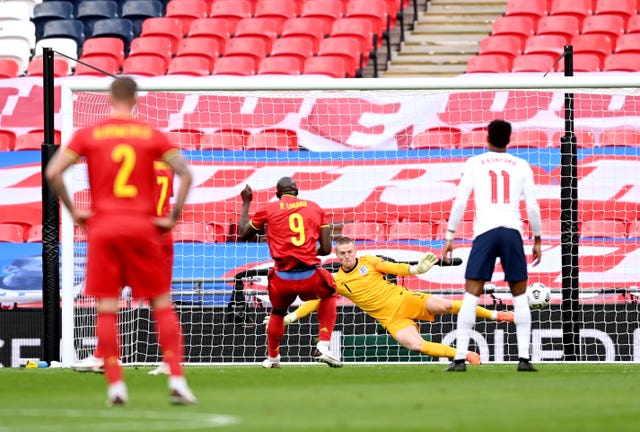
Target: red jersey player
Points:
(294, 228)
(123, 230)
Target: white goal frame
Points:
(552, 82)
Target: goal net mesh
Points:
(385, 166)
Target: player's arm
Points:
(533, 213)
(457, 210)
(179, 166)
(247, 230)
(427, 261)
(56, 167)
(325, 241)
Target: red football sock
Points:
(326, 317)
(107, 333)
(275, 330)
(169, 338)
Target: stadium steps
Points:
(444, 37)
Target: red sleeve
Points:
(75, 144)
(259, 219)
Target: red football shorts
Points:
(284, 287)
(125, 252)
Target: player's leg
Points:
(107, 334)
(439, 305)
(166, 266)
(479, 269)
(514, 263)
(281, 295)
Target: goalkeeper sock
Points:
(107, 334)
(437, 350)
(466, 319)
(326, 317)
(275, 330)
(169, 338)
(480, 311)
(522, 320)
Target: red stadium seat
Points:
(628, 43)
(106, 64)
(60, 67)
(473, 139)
(11, 233)
(622, 136)
(577, 8)
(519, 26)
(216, 28)
(242, 65)
(534, 9)
(464, 231)
(410, 230)
(489, 63)
(533, 63)
(280, 65)
(7, 139)
(272, 139)
(186, 139)
(327, 11)
(197, 232)
(559, 25)
(101, 46)
(159, 46)
(224, 140)
(204, 47)
(597, 44)
(144, 65)
(633, 25)
(552, 45)
(331, 66)
(263, 28)
(232, 11)
(582, 62)
(361, 29)
(34, 234)
(501, 44)
(529, 138)
(623, 62)
(348, 49)
(373, 10)
(603, 228)
(29, 141)
(634, 229)
(610, 25)
(299, 47)
(437, 138)
(163, 26)
(584, 138)
(253, 47)
(277, 11)
(308, 28)
(186, 11)
(9, 68)
(624, 9)
(373, 231)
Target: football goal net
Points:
(383, 157)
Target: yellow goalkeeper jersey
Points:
(366, 286)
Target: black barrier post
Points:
(571, 316)
(50, 225)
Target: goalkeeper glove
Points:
(288, 319)
(424, 265)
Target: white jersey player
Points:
(499, 181)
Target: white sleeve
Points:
(464, 190)
(533, 209)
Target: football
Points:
(539, 295)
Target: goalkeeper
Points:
(396, 308)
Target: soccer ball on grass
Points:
(538, 295)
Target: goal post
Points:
(383, 157)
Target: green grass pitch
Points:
(560, 397)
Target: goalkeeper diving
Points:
(362, 280)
